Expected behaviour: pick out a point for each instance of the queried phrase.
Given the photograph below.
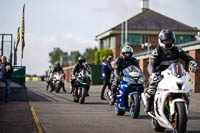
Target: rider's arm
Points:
(184, 56)
(75, 69)
(154, 61)
(136, 63)
(117, 68)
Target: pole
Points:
(126, 32)
(122, 33)
(2, 44)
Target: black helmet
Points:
(81, 59)
(57, 63)
(164, 36)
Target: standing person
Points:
(121, 63)
(162, 57)
(106, 74)
(5, 76)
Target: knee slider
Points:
(151, 92)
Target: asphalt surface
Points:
(58, 113)
(15, 117)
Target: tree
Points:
(55, 55)
(90, 54)
(73, 58)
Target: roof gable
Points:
(151, 20)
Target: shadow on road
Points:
(194, 117)
(38, 97)
(144, 117)
(96, 103)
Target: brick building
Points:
(144, 29)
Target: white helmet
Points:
(127, 49)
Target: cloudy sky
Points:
(73, 24)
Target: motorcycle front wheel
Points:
(180, 119)
(82, 95)
(135, 105)
(75, 95)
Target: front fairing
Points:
(132, 82)
(83, 78)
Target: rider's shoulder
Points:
(179, 49)
(118, 59)
(155, 51)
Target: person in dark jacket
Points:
(58, 68)
(77, 68)
(5, 76)
(106, 74)
(121, 63)
(162, 57)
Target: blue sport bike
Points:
(129, 92)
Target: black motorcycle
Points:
(81, 86)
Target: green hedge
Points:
(100, 54)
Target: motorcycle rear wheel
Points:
(119, 111)
(76, 96)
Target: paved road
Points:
(59, 114)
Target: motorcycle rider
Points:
(50, 77)
(59, 69)
(121, 63)
(80, 65)
(163, 56)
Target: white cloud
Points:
(36, 58)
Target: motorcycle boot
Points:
(113, 99)
(149, 98)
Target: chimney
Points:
(144, 5)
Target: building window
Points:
(134, 39)
(144, 39)
(182, 39)
(112, 42)
(106, 43)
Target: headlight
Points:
(141, 79)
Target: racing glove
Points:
(193, 66)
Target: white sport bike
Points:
(171, 101)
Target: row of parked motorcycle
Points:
(171, 101)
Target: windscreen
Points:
(176, 69)
(131, 69)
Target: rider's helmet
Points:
(81, 60)
(166, 39)
(127, 52)
(57, 64)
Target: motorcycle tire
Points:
(181, 117)
(82, 95)
(76, 96)
(135, 105)
(118, 111)
(156, 126)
